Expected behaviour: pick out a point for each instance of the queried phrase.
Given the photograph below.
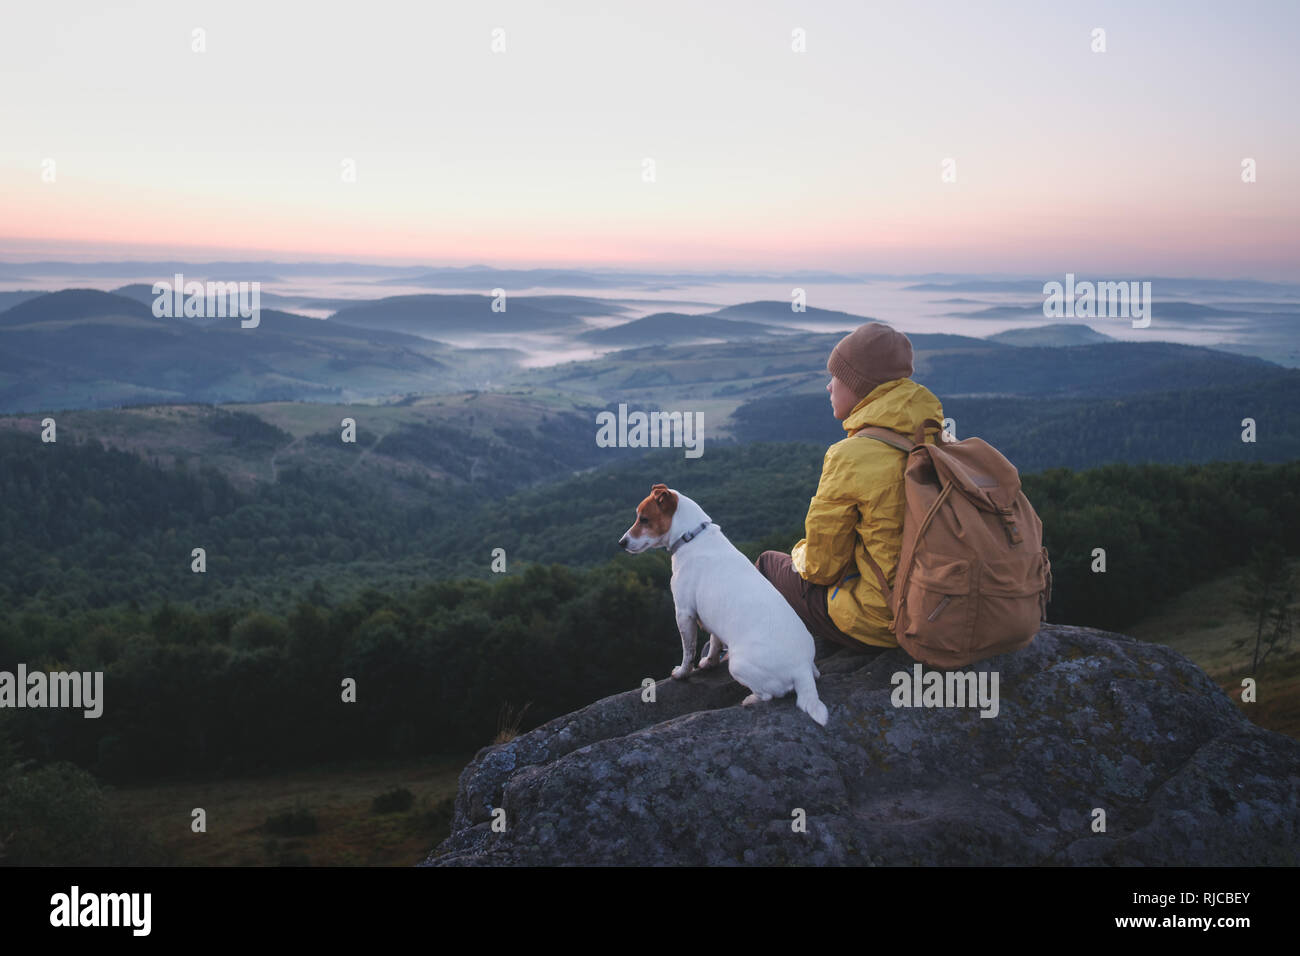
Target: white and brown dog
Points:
(769, 649)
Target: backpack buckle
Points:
(1009, 522)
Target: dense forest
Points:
(240, 690)
(89, 527)
(85, 525)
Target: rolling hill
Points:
(1062, 334)
(676, 328)
(452, 317)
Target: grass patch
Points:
(298, 821)
(1203, 625)
(341, 801)
(397, 800)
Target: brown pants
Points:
(808, 600)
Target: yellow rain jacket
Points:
(859, 505)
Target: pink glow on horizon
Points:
(1167, 247)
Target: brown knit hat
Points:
(870, 355)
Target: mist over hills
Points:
(83, 348)
(1178, 284)
(87, 348)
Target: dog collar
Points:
(672, 548)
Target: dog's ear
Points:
(664, 498)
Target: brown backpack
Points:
(973, 577)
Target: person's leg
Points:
(808, 600)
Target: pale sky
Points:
(1121, 162)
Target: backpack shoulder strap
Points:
(885, 435)
(903, 444)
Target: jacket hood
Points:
(901, 405)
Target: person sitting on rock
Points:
(859, 503)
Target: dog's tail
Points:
(806, 698)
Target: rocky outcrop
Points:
(1087, 723)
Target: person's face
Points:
(842, 400)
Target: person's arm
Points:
(831, 525)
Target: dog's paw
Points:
(681, 672)
(749, 701)
(707, 662)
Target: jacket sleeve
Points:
(831, 525)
